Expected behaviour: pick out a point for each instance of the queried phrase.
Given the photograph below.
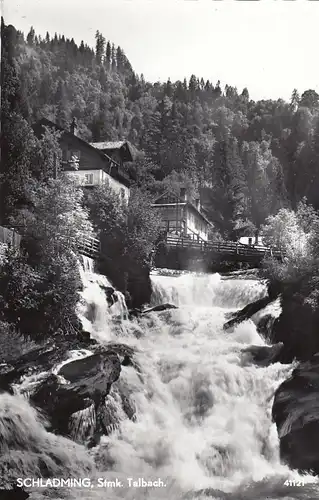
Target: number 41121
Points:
(293, 482)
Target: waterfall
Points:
(94, 311)
(202, 414)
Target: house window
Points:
(89, 179)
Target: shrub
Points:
(12, 344)
(296, 233)
(128, 235)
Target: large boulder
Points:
(265, 326)
(7, 377)
(13, 493)
(297, 325)
(296, 413)
(264, 355)
(78, 385)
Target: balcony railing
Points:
(9, 237)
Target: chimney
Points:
(73, 126)
(257, 238)
(183, 196)
(197, 204)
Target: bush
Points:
(39, 300)
(297, 277)
(39, 287)
(12, 344)
(128, 235)
(296, 234)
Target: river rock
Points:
(264, 355)
(265, 326)
(111, 297)
(296, 414)
(247, 312)
(125, 353)
(77, 386)
(13, 493)
(160, 307)
(7, 377)
(297, 325)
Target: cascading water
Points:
(202, 413)
(95, 312)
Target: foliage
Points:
(39, 287)
(128, 233)
(13, 344)
(143, 225)
(246, 159)
(55, 220)
(296, 233)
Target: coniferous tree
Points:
(31, 36)
(113, 57)
(99, 47)
(108, 55)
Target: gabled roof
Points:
(182, 204)
(115, 145)
(48, 123)
(108, 144)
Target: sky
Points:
(268, 46)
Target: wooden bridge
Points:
(89, 246)
(174, 251)
(179, 252)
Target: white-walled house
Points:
(251, 240)
(183, 217)
(96, 177)
(90, 164)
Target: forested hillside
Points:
(248, 159)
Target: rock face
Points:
(265, 326)
(297, 326)
(128, 276)
(265, 355)
(78, 385)
(296, 413)
(7, 376)
(248, 311)
(14, 493)
(85, 398)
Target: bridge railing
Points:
(88, 245)
(9, 237)
(222, 247)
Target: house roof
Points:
(108, 144)
(48, 123)
(115, 145)
(183, 204)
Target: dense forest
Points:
(246, 159)
(40, 281)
